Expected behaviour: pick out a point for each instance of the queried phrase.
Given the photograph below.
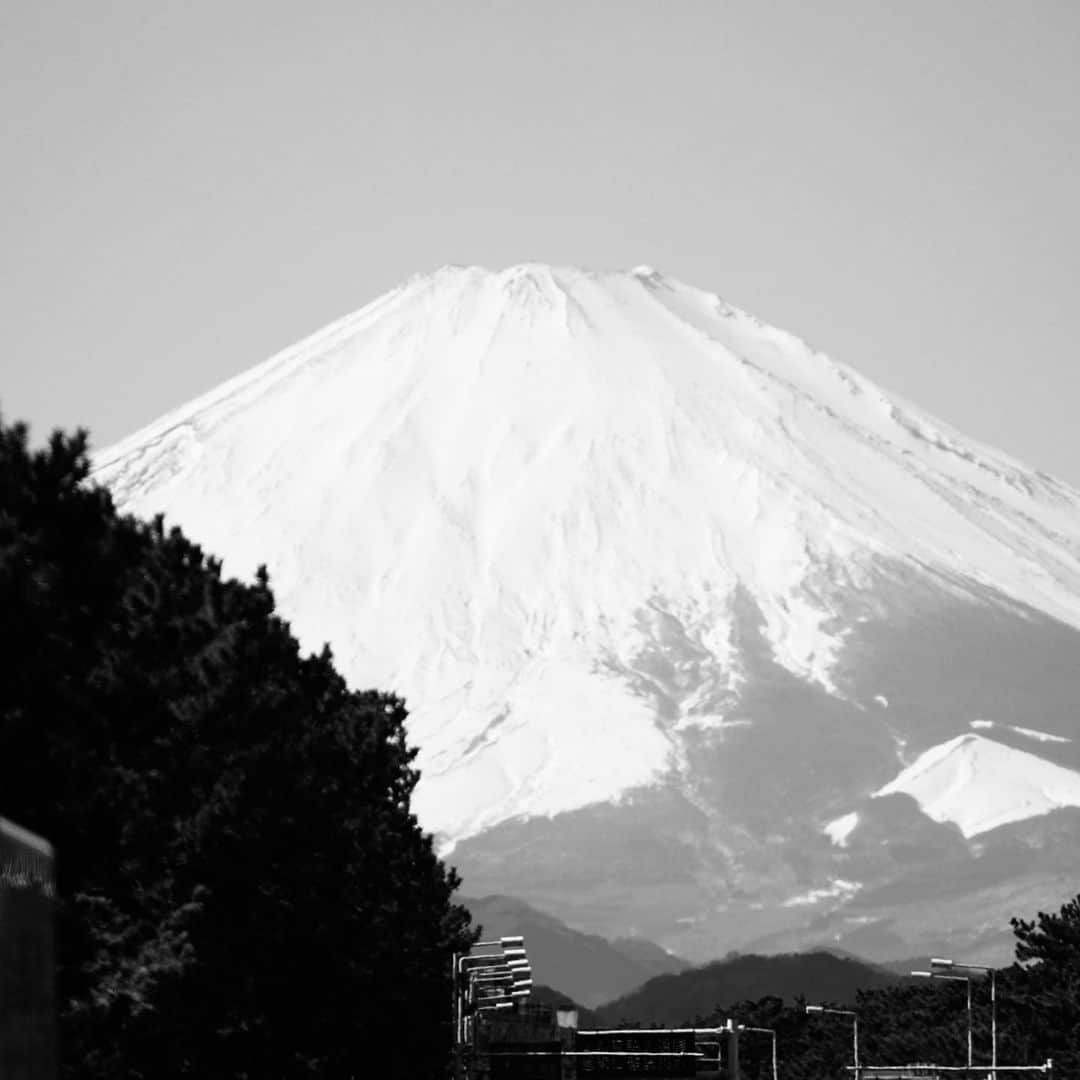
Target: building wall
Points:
(27, 1005)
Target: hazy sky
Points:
(189, 187)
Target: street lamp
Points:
(954, 978)
(854, 1024)
(495, 1006)
(949, 965)
(487, 981)
(767, 1031)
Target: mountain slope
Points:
(666, 590)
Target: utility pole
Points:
(733, 1031)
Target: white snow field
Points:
(839, 830)
(979, 784)
(1031, 733)
(475, 485)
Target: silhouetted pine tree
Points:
(1041, 996)
(243, 889)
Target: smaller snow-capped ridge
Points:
(840, 830)
(979, 784)
(1031, 733)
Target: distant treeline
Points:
(900, 1021)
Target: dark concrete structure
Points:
(27, 1005)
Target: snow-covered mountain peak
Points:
(979, 784)
(534, 501)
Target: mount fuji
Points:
(705, 637)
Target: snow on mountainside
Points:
(1031, 733)
(671, 597)
(979, 784)
(494, 491)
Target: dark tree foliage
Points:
(1043, 987)
(243, 889)
(1038, 1016)
(807, 1047)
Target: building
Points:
(27, 1006)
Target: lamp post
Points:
(502, 984)
(854, 1027)
(949, 965)
(487, 981)
(954, 978)
(768, 1031)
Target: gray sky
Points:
(190, 187)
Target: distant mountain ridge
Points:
(655, 987)
(676, 999)
(587, 967)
